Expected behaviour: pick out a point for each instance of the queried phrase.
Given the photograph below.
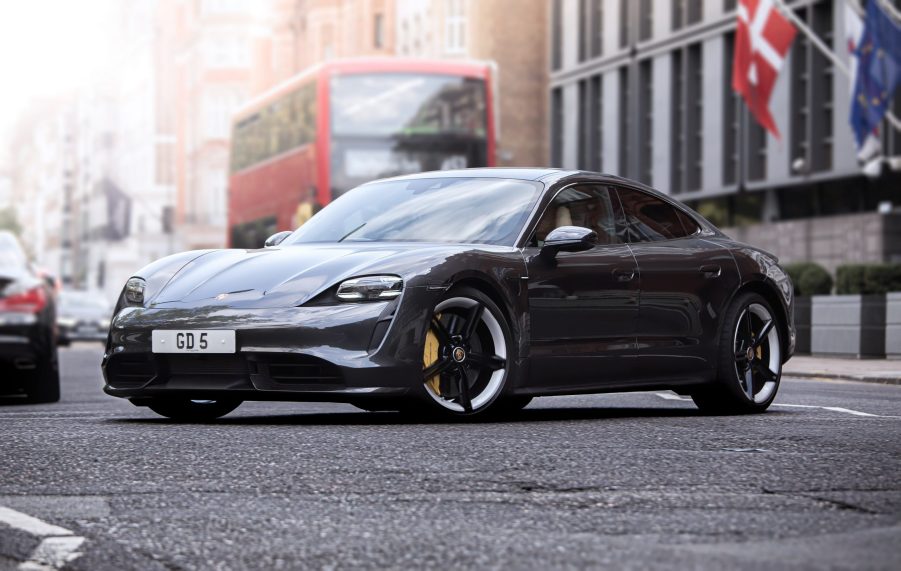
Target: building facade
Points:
(642, 89)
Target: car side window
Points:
(649, 219)
(589, 206)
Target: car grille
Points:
(272, 370)
(130, 371)
(206, 365)
(299, 369)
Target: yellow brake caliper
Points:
(430, 357)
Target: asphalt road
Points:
(622, 481)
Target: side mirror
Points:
(276, 239)
(569, 239)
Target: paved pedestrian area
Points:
(867, 370)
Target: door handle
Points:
(711, 271)
(624, 275)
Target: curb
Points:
(823, 375)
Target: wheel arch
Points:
(508, 305)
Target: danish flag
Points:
(762, 39)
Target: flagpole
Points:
(830, 55)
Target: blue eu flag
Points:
(878, 71)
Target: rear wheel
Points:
(184, 410)
(466, 354)
(750, 360)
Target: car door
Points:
(583, 305)
(686, 282)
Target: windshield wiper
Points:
(351, 232)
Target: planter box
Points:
(848, 325)
(893, 325)
(802, 325)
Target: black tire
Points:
(44, 385)
(469, 321)
(749, 349)
(510, 404)
(185, 410)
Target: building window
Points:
(557, 127)
(811, 96)
(584, 30)
(731, 114)
(454, 27)
(645, 121)
(556, 34)
(590, 123)
(756, 148)
(646, 20)
(687, 105)
(596, 140)
(591, 21)
(378, 33)
(624, 23)
(729, 5)
(597, 28)
(210, 7)
(687, 12)
(625, 121)
(219, 53)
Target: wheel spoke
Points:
(764, 371)
(465, 401)
(472, 321)
(436, 368)
(749, 382)
(441, 332)
(764, 331)
(490, 362)
(743, 333)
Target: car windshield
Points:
(457, 210)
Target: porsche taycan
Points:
(461, 293)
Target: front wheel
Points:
(750, 360)
(467, 354)
(184, 410)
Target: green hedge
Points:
(867, 278)
(809, 278)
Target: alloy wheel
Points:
(757, 353)
(465, 355)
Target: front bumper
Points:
(328, 353)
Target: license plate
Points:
(193, 341)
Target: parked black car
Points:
(28, 358)
(461, 292)
(82, 316)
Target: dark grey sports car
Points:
(461, 292)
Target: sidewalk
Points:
(866, 370)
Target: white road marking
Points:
(668, 396)
(30, 525)
(58, 546)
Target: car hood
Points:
(290, 275)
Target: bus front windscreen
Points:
(388, 124)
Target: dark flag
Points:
(878, 72)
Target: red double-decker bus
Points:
(342, 123)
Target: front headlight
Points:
(370, 288)
(134, 291)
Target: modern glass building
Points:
(642, 88)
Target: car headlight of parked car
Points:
(134, 291)
(369, 288)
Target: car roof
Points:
(533, 173)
